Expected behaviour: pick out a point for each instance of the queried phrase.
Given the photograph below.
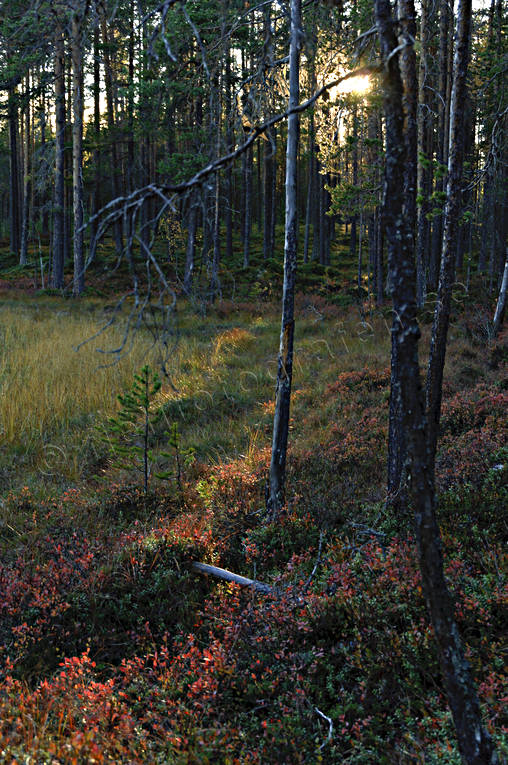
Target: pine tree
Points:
(132, 429)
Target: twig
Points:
(330, 727)
(316, 564)
(364, 529)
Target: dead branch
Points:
(114, 208)
(229, 576)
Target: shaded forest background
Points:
(166, 90)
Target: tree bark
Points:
(57, 270)
(247, 209)
(269, 149)
(111, 120)
(229, 146)
(14, 211)
(96, 198)
(77, 147)
(396, 440)
(310, 189)
(192, 225)
(451, 214)
(441, 158)
(423, 152)
(285, 362)
(475, 744)
(25, 228)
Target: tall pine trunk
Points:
(14, 211)
(96, 198)
(396, 441)
(77, 147)
(57, 267)
(450, 229)
(111, 120)
(247, 208)
(441, 158)
(25, 228)
(423, 150)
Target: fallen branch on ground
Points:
(229, 576)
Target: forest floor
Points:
(114, 649)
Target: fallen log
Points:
(229, 576)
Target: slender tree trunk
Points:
(215, 285)
(77, 148)
(380, 294)
(274, 191)
(311, 151)
(437, 224)
(14, 211)
(316, 208)
(96, 204)
(57, 271)
(25, 228)
(310, 190)
(423, 127)
(247, 220)
(130, 103)
(451, 213)
(360, 253)
(190, 252)
(396, 440)
(111, 120)
(42, 200)
(269, 149)
(285, 363)
(68, 161)
(373, 217)
(215, 110)
(268, 211)
(354, 217)
(229, 146)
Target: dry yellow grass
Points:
(46, 383)
(222, 374)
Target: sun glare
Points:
(359, 85)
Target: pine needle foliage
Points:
(182, 456)
(133, 428)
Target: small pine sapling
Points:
(180, 455)
(132, 428)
